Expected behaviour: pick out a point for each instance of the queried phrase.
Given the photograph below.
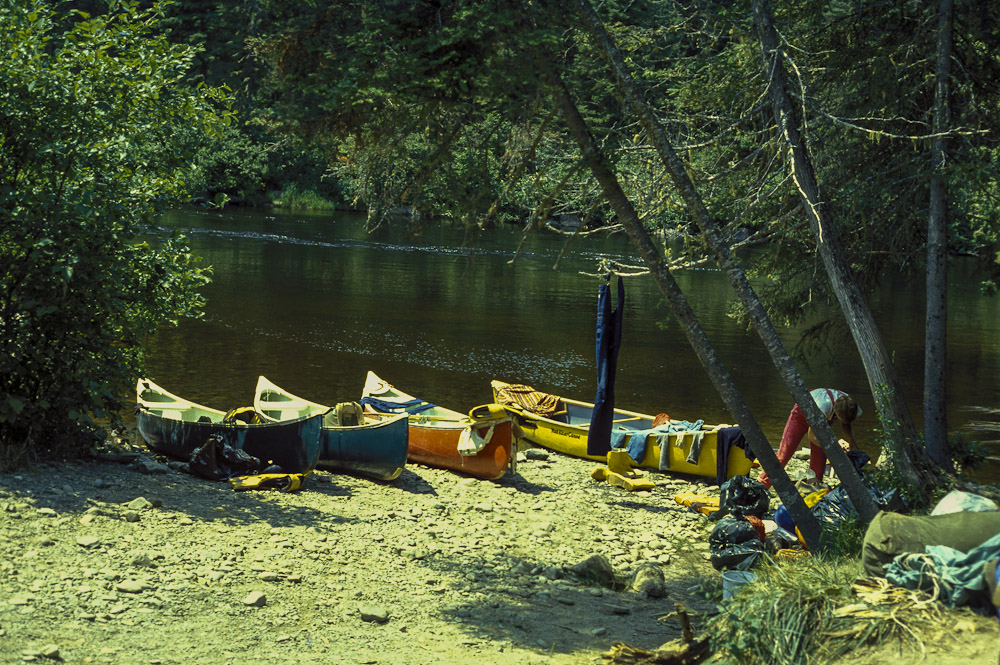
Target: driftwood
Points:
(685, 651)
(677, 652)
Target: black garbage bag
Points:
(740, 496)
(858, 458)
(734, 544)
(836, 506)
(217, 460)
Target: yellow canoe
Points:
(564, 430)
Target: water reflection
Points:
(313, 302)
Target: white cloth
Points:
(470, 443)
(822, 398)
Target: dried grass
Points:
(809, 611)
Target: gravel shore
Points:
(126, 560)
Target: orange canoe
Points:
(479, 444)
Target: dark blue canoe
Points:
(350, 440)
(176, 427)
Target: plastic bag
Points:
(217, 460)
(734, 544)
(742, 495)
(836, 506)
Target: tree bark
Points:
(635, 101)
(894, 416)
(935, 335)
(719, 375)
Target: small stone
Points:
(255, 599)
(269, 577)
(373, 614)
(649, 579)
(47, 512)
(130, 586)
(87, 519)
(148, 466)
(87, 541)
(131, 516)
(143, 561)
(139, 503)
(536, 454)
(596, 569)
(415, 553)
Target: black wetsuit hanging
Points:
(609, 339)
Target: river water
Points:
(313, 302)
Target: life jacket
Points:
(243, 414)
(283, 482)
(349, 414)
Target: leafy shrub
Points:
(89, 110)
(293, 197)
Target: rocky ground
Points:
(124, 560)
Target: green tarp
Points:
(892, 534)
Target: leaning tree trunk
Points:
(633, 97)
(935, 335)
(652, 258)
(894, 416)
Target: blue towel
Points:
(385, 406)
(996, 585)
(956, 576)
(664, 442)
(619, 437)
(632, 440)
(638, 442)
(695, 451)
(684, 425)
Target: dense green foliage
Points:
(406, 97)
(92, 109)
(439, 106)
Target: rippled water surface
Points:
(314, 302)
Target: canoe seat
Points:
(172, 409)
(272, 400)
(284, 404)
(283, 413)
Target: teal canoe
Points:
(350, 441)
(176, 427)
